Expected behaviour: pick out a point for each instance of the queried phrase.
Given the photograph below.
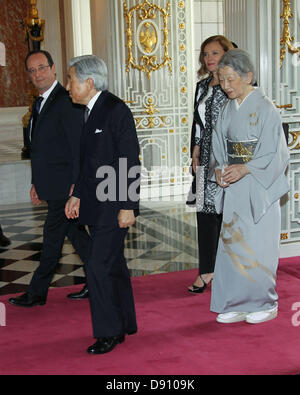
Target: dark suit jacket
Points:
(109, 149)
(55, 146)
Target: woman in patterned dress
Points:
(209, 99)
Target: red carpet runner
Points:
(177, 334)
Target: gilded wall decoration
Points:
(287, 39)
(147, 37)
(151, 120)
(34, 27)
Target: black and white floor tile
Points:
(163, 240)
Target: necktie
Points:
(35, 113)
(86, 114)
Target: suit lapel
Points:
(96, 110)
(49, 101)
(58, 88)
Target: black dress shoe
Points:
(83, 294)
(28, 300)
(105, 345)
(4, 241)
(131, 332)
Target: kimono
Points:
(248, 251)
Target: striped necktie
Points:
(86, 114)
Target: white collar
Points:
(93, 100)
(46, 94)
(249, 94)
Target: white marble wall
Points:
(15, 182)
(15, 175)
(11, 116)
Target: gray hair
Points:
(90, 66)
(240, 61)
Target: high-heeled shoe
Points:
(199, 290)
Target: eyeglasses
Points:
(40, 69)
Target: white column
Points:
(81, 17)
(242, 26)
(266, 32)
(99, 11)
(52, 43)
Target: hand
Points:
(72, 208)
(126, 218)
(220, 181)
(195, 158)
(234, 173)
(34, 196)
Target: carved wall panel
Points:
(280, 76)
(150, 66)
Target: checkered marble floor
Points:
(162, 240)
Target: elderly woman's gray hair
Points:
(90, 66)
(240, 61)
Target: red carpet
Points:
(178, 335)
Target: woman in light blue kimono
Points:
(252, 155)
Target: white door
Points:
(150, 62)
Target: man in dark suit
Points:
(56, 128)
(106, 198)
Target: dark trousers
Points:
(1, 231)
(56, 228)
(209, 227)
(109, 284)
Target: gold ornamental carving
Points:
(31, 21)
(287, 39)
(294, 144)
(285, 106)
(147, 38)
(152, 121)
(34, 29)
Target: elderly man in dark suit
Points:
(56, 128)
(106, 198)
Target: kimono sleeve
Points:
(271, 156)
(268, 182)
(219, 156)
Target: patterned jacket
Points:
(206, 188)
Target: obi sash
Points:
(240, 152)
